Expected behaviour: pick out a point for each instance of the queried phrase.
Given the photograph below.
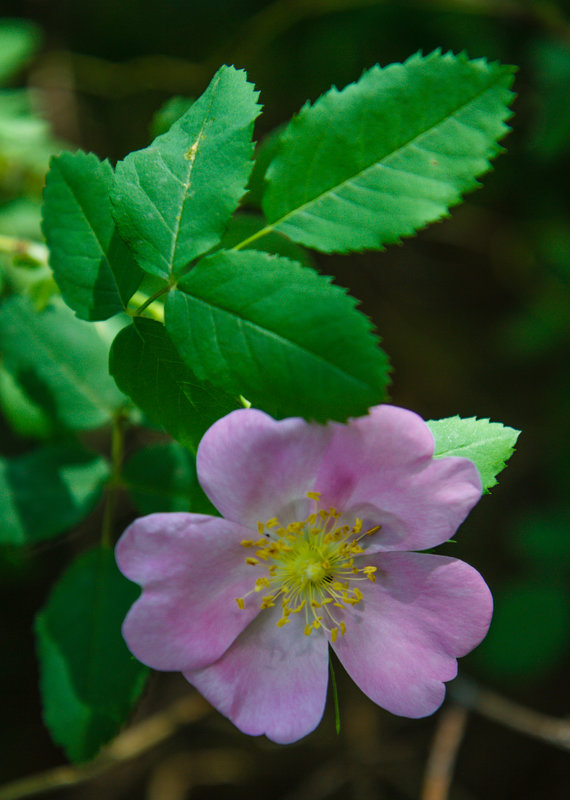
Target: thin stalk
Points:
(115, 481)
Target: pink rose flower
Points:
(311, 551)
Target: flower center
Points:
(309, 566)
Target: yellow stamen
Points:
(241, 602)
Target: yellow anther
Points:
(260, 527)
(260, 583)
(342, 628)
(373, 530)
(313, 495)
(267, 602)
(369, 572)
(263, 542)
(314, 604)
(357, 527)
(317, 623)
(282, 621)
(272, 523)
(246, 543)
(308, 629)
(241, 602)
(252, 561)
(299, 608)
(334, 632)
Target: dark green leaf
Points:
(162, 477)
(488, 444)
(60, 362)
(94, 268)
(366, 166)
(18, 41)
(278, 333)
(147, 367)
(174, 198)
(48, 491)
(24, 416)
(89, 681)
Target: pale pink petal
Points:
(380, 468)
(191, 568)
(252, 466)
(402, 641)
(271, 680)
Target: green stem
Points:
(115, 481)
(253, 238)
(335, 695)
(163, 290)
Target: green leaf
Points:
(89, 681)
(169, 113)
(529, 632)
(94, 268)
(366, 166)
(174, 198)
(162, 477)
(24, 416)
(147, 367)
(19, 40)
(60, 362)
(488, 444)
(48, 491)
(278, 333)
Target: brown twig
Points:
(494, 706)
(441, 762)
(128, 745)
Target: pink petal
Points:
(252, 466)
(271, 680)
(380, 468)
(402, 641)
(192, 569)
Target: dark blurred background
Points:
(473, 313)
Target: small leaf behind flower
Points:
(488, 444)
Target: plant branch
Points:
(130, 744)
(524, 720)
(115, 481)
(445, 746)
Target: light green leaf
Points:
(147, 367)
(18, 41)
(89, 681)
(48, 491)
(174, 198)
(488, 444)
(162, 477)
(92, 265)
(279, 334)
(366, 166)
(60, 362)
